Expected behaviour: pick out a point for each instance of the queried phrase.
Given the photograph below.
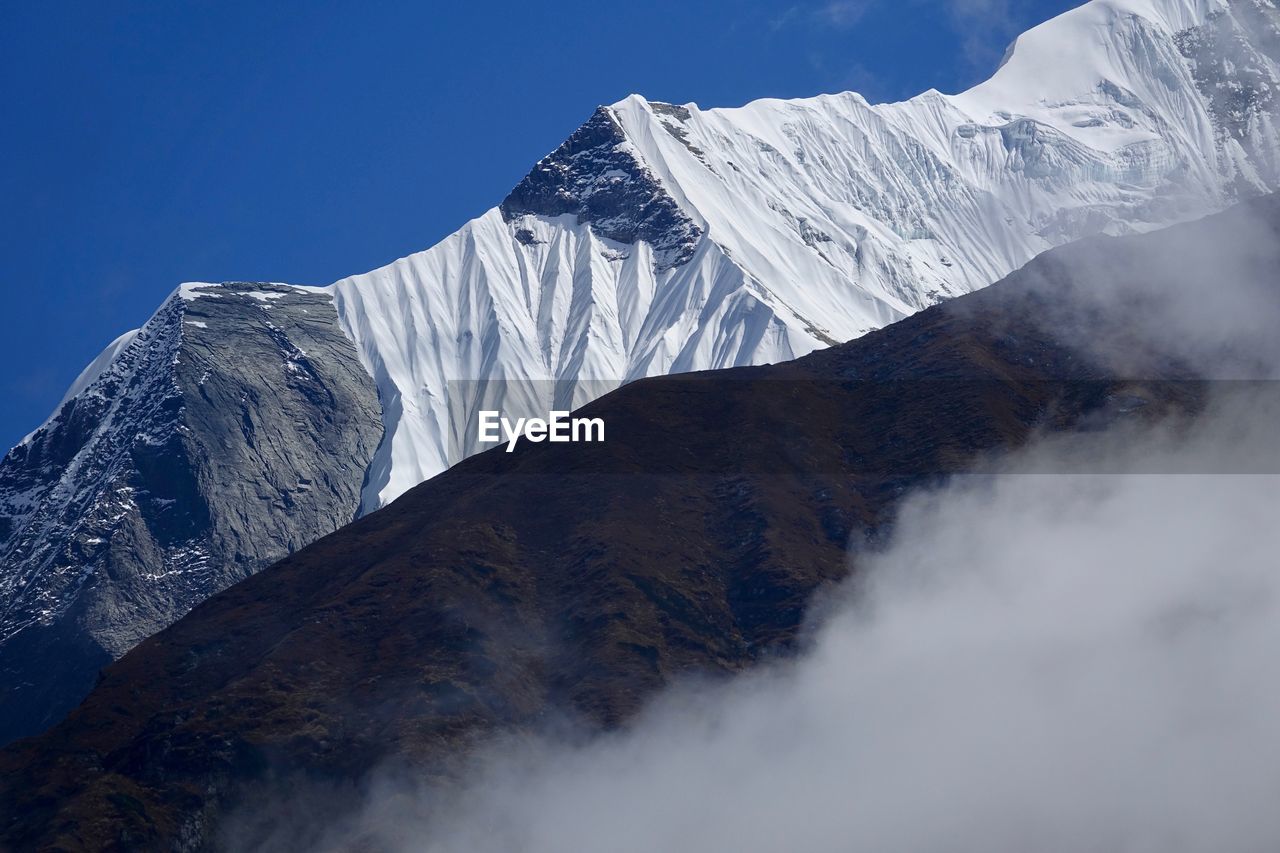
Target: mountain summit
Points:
(244, 421)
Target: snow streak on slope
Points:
(664, 238)
(566, 305)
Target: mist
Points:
(1205, 294)
(1038, 659)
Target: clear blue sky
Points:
(143, 144)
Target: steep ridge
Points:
(234, 427)
(662, 238)
(657, 239)
(516, 588)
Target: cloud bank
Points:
(1036, 661)
(1051, 662)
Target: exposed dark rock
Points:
(233, 430)
(595, 176)
(673, 119)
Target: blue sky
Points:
(144, 144)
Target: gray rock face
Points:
(235, 428)
(596, 176)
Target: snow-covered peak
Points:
(600, 177)
(1076, 49)
(662, 237)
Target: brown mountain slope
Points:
(578, 579)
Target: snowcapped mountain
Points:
(662, 238)
(242, 421)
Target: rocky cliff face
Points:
(597, 176)
(233, 429)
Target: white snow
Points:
(99, 364)
(88, 376)
(823, 218)
(191, 290)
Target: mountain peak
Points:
(598, 176)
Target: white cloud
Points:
(1048, 662)
(983, 28)
(842, 13)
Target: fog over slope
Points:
(1072, 649)
(1052, 662)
